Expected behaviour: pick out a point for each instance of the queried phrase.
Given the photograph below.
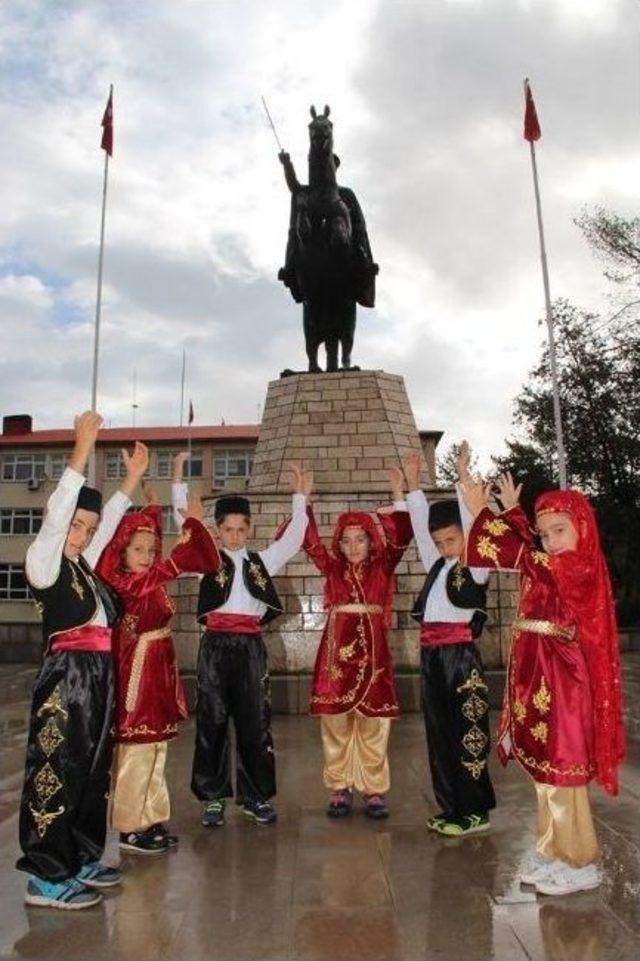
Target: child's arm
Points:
(44, 555)
(118, 505)
(292, 536)
(419, 511)
(496, 541)
(179, 490)
(314, 545)
(395, 522)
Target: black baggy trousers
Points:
(233, 682)
(63, 812)
(456, 715)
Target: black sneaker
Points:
(375, 807)
(261, 811)
(161, 831)
(142, 842)
(339, 805)
(213, 813)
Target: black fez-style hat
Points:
(231, 504)
(89, 499)
(444, 514)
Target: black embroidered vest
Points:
(216, 588)
(71, 601)
(462, 591)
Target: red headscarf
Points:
(368, 524)
(583, 580)
(147, 519)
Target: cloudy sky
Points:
(426, 99)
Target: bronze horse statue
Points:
(328, 264)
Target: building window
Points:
(20, 520)
(114, 467)
(57, 465)
(232, 464)
(13, 586)
(194, 466)
(168, 521)
(163, 464)
(23, 467)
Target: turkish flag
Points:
(191, 416)
(531, 125)
(107, 127)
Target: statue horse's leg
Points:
(331, 345)
(347, 332)
(312, 342)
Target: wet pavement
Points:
(311, 889)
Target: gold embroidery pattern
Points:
(546, 767)
(540, 731)
(495, 527)
(75, 583)
(53, 704)
(542, 698)
(50, 737)
(257, 575)
(475, 741)
(44, 818)
(39, 606)
(47, 783)
(130, 623)
(541, 558)
(475, 767)
(335, 673)
(136, 673)
(346, 651)
(486, 548)
(457, 577)
(221, 577)
(474, 708)
(518, 710)
(473, 683)
(144, 729)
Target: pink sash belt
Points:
(443, 632)
(89, 638)
(233, 623)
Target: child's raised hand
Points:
(463, 461)
(149, 493)
(86, 427)
(194, 509)
(508, 491)
(475, 494)
(307, 482)
(396, 483)
(411, 464)
(137, 462)
(297, 478)
(179, 461)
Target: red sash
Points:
(89, 638)
(233, 623)
(444, 632)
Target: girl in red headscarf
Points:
(562, 715)
(149, 696)
(353, 689)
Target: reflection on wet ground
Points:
(312, 889)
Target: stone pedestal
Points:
(349, 428)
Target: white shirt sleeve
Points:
(400, 505)
(179, 495)
(419, 512)
(44, 555)
(277, 554)
(112, 513)
(465, 514)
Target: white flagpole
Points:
(557, 415)
(184, 361)
(96, 335)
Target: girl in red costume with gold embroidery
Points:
(353, 688)
(562, 715)
(149, 696)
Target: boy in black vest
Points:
(233, 680)
(64, 800)
(451, 612)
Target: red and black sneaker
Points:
(375, 807)
(340, 804)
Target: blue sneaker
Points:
(97, 875)
(68, 895)
(261, 811)
(213, 813)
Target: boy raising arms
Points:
(451, 612)
(64, 800)
(234, 601)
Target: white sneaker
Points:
(567, 880)
(535, 868)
